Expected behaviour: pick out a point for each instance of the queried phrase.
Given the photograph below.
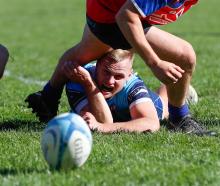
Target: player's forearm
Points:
(137, 125)
(97, 103)
(131, 27)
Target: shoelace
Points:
(192, 122)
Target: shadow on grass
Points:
(7, 171)
(13, 171)
(205, 122)
(211, 122)
(24, 125)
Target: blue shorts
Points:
(110, 34)
(158, 104)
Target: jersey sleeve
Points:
(147, 7)
(138, 93)
(76, 96)
(75, 92)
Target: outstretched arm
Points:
(97, 104)
(144, 118)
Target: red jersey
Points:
(104, 11)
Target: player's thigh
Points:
(169, 47)
(88, 49)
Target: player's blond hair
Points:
(119, 55)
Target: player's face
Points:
(111, 77)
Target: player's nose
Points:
(110, 80)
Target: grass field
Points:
(37, 33)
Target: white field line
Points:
(29, 81)
(25, 80)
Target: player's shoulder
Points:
(136, 90)
(135, 84)
(134, 81)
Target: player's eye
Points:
(118, 77)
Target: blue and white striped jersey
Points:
(133, 92)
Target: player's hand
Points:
(76, 73)
(94, 125)
(167, 72)
(91, 121)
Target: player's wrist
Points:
(87, 82)
(153, 62)
(90, 87)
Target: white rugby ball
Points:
(66, 141)
(192, 96)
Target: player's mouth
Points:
(105, 88)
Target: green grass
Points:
(37, 33)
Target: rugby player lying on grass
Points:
(111, 91)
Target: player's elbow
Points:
(155, 126)
(106, 120)
(149, 125)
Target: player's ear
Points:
(131, 72)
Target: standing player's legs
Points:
(191, 98)
(173, 49)
(45, 103)
(90, 48)
(3, 59)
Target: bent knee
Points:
(188, 57)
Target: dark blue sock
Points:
(52, 95)
(177, 113)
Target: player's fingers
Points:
(85, 116)
(75, 64)
(75, 71)
(172, 78)
(87, 120)
(179, 69)
(79, 68)
(176, 73)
